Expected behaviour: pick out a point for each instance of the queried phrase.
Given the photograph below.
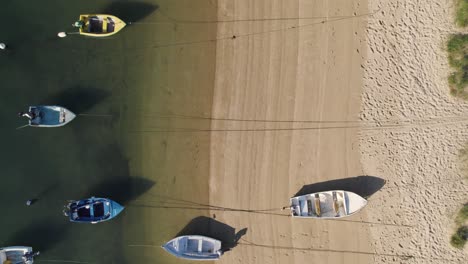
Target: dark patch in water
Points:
(121, 189)
(130, 11)
(40, 235)
(77, 99)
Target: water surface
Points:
(131, 92)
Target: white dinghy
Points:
(48, 116)
(17, 255)
(330, 204)
(194, 247)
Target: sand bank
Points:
(287, 61)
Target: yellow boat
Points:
(99, 25)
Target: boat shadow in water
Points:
(77, 99)
(210, 227)
(41, 235)
(130, 11)
(121, 189)
(365, 186)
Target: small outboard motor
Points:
(30, 256)
(78, 24)
(66, 210)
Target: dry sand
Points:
(405, 80)
(383, 77)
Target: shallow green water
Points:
(141, 80)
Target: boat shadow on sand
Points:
(365, 186)
(210, 227)
(130, 11)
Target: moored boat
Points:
(92, 210)
(194, 247)
(48, 116)
(329, 204)
(99, 25)
(17, 255)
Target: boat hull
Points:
(50, 116)
(93, 210)
(118, 25)
(194, 248)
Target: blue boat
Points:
(92, 210)
(48, 116)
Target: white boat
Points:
(17, 255)
(48, 116)
(194, 247)
(330, 204)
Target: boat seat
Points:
(62, 116)
(200, 245)
(110, 25)
(336, 206)
(309, 207)
(303, 207)
(317, 205)
(95, 25)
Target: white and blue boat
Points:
(48, 116)
(92, 210)
(194, 248)
(17, 255)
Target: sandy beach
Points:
(308, 92)
(405, 82)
